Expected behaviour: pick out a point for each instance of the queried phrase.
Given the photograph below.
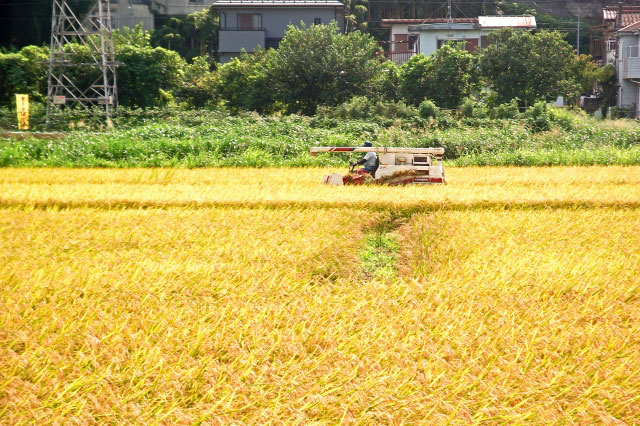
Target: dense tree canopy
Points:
(23, 72)
(318, 65)
(191, 36)
(445, 77)
(518, 64)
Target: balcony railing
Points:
(399, 57)
(241, 29)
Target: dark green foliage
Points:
(446, 77)
(318, 65)
(200, 86)
(244, 83)
(390, 82)
(147, 71)
(361, 107)
(23, 72)
(566, 25)
(191, 36)
(199, 138)
(538, 116)
(470, 108)
(508, 110)
(428, 109)
(531, 67)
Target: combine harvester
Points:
(396, 166)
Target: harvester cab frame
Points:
(397, 166)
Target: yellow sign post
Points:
(22, 107)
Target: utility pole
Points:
(578, 36)
(82, 66)
(449, 16)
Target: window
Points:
(400, 44)
(272, 43)
(413, 43)
(454, 40)
(249, 21)
(317, 21)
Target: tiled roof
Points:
(631, 28)
(428, 21)
(630, 14)
(277, 3)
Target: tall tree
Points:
(518, 64)
(445, 78)
(318, 65)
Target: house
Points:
(408, 37)
(404, 44)
(247, 24)
(628, 68)
(603, 42)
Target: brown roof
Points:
(631, 28)
(630, 14)
(386, 22)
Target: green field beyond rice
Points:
(215, 139)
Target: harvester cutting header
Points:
(394, 166)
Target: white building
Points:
(408, 37)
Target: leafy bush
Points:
(470, 108)
(390, 81)
(508, 110)
(24, 72)
(147, 71)
(361, 107)
(428, 109)
(244, 82)
(568, 120)
(538, 117)
(200, 85)
(446, 77)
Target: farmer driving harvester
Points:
(370, 161)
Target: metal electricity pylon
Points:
(82, 66)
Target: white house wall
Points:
(628, 91)
(275, 21)
(429, 39)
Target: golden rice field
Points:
(238, 296)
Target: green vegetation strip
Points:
(379, 255)
(216, 139)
